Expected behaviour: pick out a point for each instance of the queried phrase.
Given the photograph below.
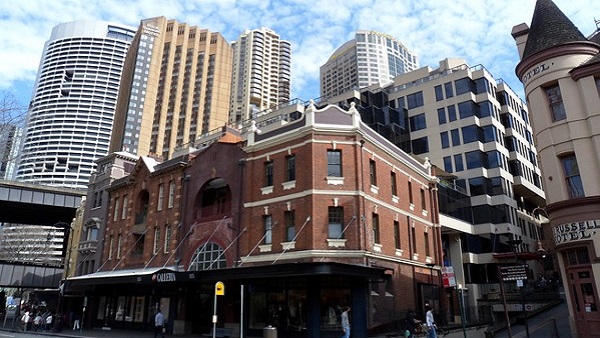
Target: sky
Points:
(475, 30)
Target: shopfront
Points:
(300, 300)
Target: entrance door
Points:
(584, 301)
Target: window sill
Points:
(334, 180)
(411, 207)
(265, 247)
(288, 245)
(374, 189)
(289, 185)
(266, 190)
(377, 247)
(425, 213)
(395, 199)
(336, 243)
(399, 252)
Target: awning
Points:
(117, 276)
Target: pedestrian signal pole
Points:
(219, 291)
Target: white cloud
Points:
(478, 31)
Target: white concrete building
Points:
(261, 73)
(371, 57)
(70, 117)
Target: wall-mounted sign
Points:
(164, 277)
(535, 71)
(575, 231)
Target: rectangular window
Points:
(397, 240)
(125, 205)
(161, 197)
(156, 243)
(111, 247)
(439, 95)
(410, 194)
(448, 89)
(448, 164)
(426, 238)
(458, 163)
(373, 172)
(418, 122)
(290, 225)
(441, 115)
(290, 162)
(335, 222)
(445, 140)
(572, 176)
(116, 211)
(463, 85)
(119, 246)
(420, 145)
(268, 174)
(171, 200)
(556, 103)
(423, 200)
(167, 244)
(413, 238)
(470, 133)
(376, 233)
(394, 185)
(473, 159)
(455, 135)
(414, 100)
(334, 163)
(451, 113)
(268, 225)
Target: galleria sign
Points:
(575, 231)
(164, 277)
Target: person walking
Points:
(159, 323)
(411, 324)
(431, 333)
(346, 322)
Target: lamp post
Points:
(514, 243)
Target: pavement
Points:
(552, 323)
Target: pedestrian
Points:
(48, 321)
(37, 322)
(431, 333)
(346, 322)
(76, 325)
(159, 324)
(25, 320)
(411, 324)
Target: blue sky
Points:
(476, 30)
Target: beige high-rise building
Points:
(175, 87)
(261, 73)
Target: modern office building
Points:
(560, 71)
(477, 130)
(11, 138)
(261, 73)
(175, 88)
(371, 57)
(70, 116)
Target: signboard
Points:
(513, 272)
(219, 289)
(448, 277)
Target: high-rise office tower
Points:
(261, 73)
(175, 88)
(70, 116)
(371, 57)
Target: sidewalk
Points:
(543, 324)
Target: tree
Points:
(12, 112)
(12, 120)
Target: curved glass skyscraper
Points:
(70, 116)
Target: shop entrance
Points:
(582, 288)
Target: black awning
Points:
(163, 276)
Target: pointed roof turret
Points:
(550, 27)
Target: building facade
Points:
(560, 71)
(11, 138)
(70, 116)
(477, 131)
(261, 73)
(371, 57)
(356, 226)
(176, 87)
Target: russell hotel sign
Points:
(575, 231)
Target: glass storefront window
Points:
(332, 301)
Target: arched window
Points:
(208, 257)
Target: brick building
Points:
(307, 211)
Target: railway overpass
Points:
(34, 204)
